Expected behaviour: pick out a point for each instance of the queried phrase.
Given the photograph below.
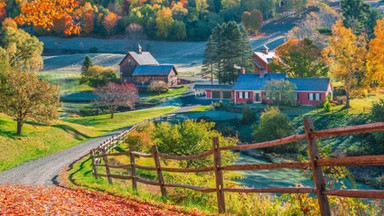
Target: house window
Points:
(240, 95)
(314, 96)
(245, 95)
(297, 96)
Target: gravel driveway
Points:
(44, 171)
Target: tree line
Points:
(154, 19)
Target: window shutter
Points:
(308, 95)
(319, 96)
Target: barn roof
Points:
(153, 70)
(143, 58)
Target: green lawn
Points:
(38, 140)
(68, 81)
(170, 93)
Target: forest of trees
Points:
(139, 19)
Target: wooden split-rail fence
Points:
(102, 153)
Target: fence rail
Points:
(315, 163)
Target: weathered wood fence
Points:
(315, 163)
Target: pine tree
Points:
(87, 63)
(359, 16)
(247, 51)
(226, 47)
(210, 56)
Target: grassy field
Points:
(67, 81)
(170, 93)
(38, 140)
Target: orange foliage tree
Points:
(3, 12)
(109, 23)
(43, 13)
(375, 56)
(88, 23)
(345, 55)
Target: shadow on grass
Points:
(77, 134)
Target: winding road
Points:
(44, 171)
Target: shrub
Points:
(93, 50)
(249, 116)
(98, 76)
(158, 86)
(327, 103)
(274, 125)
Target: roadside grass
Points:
(170, 93)
(39, 140)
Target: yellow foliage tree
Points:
(164, 21)
(42, 13)
(375, 56)
(345, 56)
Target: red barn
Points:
(261, 60)
(134, 59)
(145, 74)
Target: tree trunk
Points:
(19, 126)
(347, 104)
(112, 115)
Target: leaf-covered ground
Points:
(26, 200)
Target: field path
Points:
(44, 171)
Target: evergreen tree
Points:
(87, 63)
(359, 16)
(246, 61)
(226, 47)
(210, 55)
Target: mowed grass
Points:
(38, 140)
(68, 82)
(170, 93)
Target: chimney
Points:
(265, 49)
(242, 70)
(262, 73)
(139, 49)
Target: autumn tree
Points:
(299, 58)
(310, 27)
(252, 21)
(158, 86)
(3, 12)
(24, 96)
(375, 56)
(98, 76)
(42, 13)
(88, 22)
(112, 96)
(282, 92)
(164, 21)
(345, 56)
(109, 23)
(23, 49)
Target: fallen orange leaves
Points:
(27, 200)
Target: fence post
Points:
(133, 168)
(92, 153)
(105, 157)
(159, 172)
(218, 175)
(317, 172)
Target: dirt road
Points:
(44, 171)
